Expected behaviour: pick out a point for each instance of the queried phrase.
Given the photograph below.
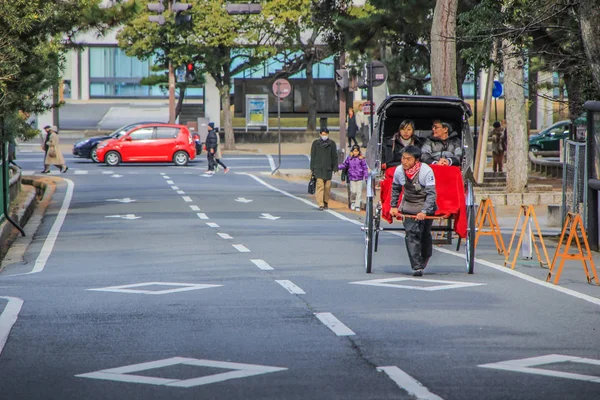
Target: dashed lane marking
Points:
(213, 225)
(262, 264)
(241, 248)
(291, 287)
(202, 216)
(224, 235)
(334, 324)
(408, 383)
(187, 199)
(195, 208)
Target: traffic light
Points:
(159, 8)
(190, 73)
(180, 17)
(341, 78)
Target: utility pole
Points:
(178, 8)
(343, 84)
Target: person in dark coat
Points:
(351, 127)
(393, 148)
(211, 148)
(419, 200)
(323, 163)
(443, 147)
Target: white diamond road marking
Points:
(213, 225)
(525, 365)
(241, 248)
(170, 183)
(175, 187)
(291, 287)
(166, 177)
(180, 192)
(262, 264)
(116, 176)
(444, 285)
(195, 208)
(182, 287)
(202, 216)
(224, 235)
(336, 326)
(124, 374)
(187, 199)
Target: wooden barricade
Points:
(529, 214)
(487, 213)
(573, 222)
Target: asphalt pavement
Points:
(151, 281)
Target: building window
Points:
(115, 74)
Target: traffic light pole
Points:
(342, 113)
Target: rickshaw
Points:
(422, 110)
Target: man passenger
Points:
(443, 148)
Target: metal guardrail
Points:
(547, 167)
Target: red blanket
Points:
(450, 195)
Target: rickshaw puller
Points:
(418, 199)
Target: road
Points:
(158, 282)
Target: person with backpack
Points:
(357, 171)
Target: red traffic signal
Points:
(190, 67)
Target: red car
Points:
(150, 143)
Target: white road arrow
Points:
(127, 216)
(243, 200)
(268, 216)
(125, 200)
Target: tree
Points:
(34, 34)
(304, 26)
(589, 15)
(443, 49)
(219, 44)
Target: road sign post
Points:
(281, 89)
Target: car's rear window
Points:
(164, 132)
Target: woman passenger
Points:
(392, 152)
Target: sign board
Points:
(257, 110)
(498, 90)
(282, 88)
(180, 74)
(367, 107)
(379, 72)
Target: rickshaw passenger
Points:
(419, 199)
(395, 146)
(443, 148)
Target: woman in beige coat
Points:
(53, 154)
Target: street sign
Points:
(180, 73)
(282, 88)
(498, 90)
(367, 107)
(379, 72)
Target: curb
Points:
(21, 217)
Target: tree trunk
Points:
(443, 49)
(575, 100)
(589, 15)
(311, 124)
(226, 106)
(180, 101)
(516, 119)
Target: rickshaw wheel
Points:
(369, 235)
(470, 240)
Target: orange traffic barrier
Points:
(529, 214)
(487, 213)
(573, 222)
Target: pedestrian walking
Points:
(351, 127)
(363, 126)
(498, 147)
(418, 201)
(218, 155)
(211, 148)
(356, 166)
(53, 154)
(323, 163)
